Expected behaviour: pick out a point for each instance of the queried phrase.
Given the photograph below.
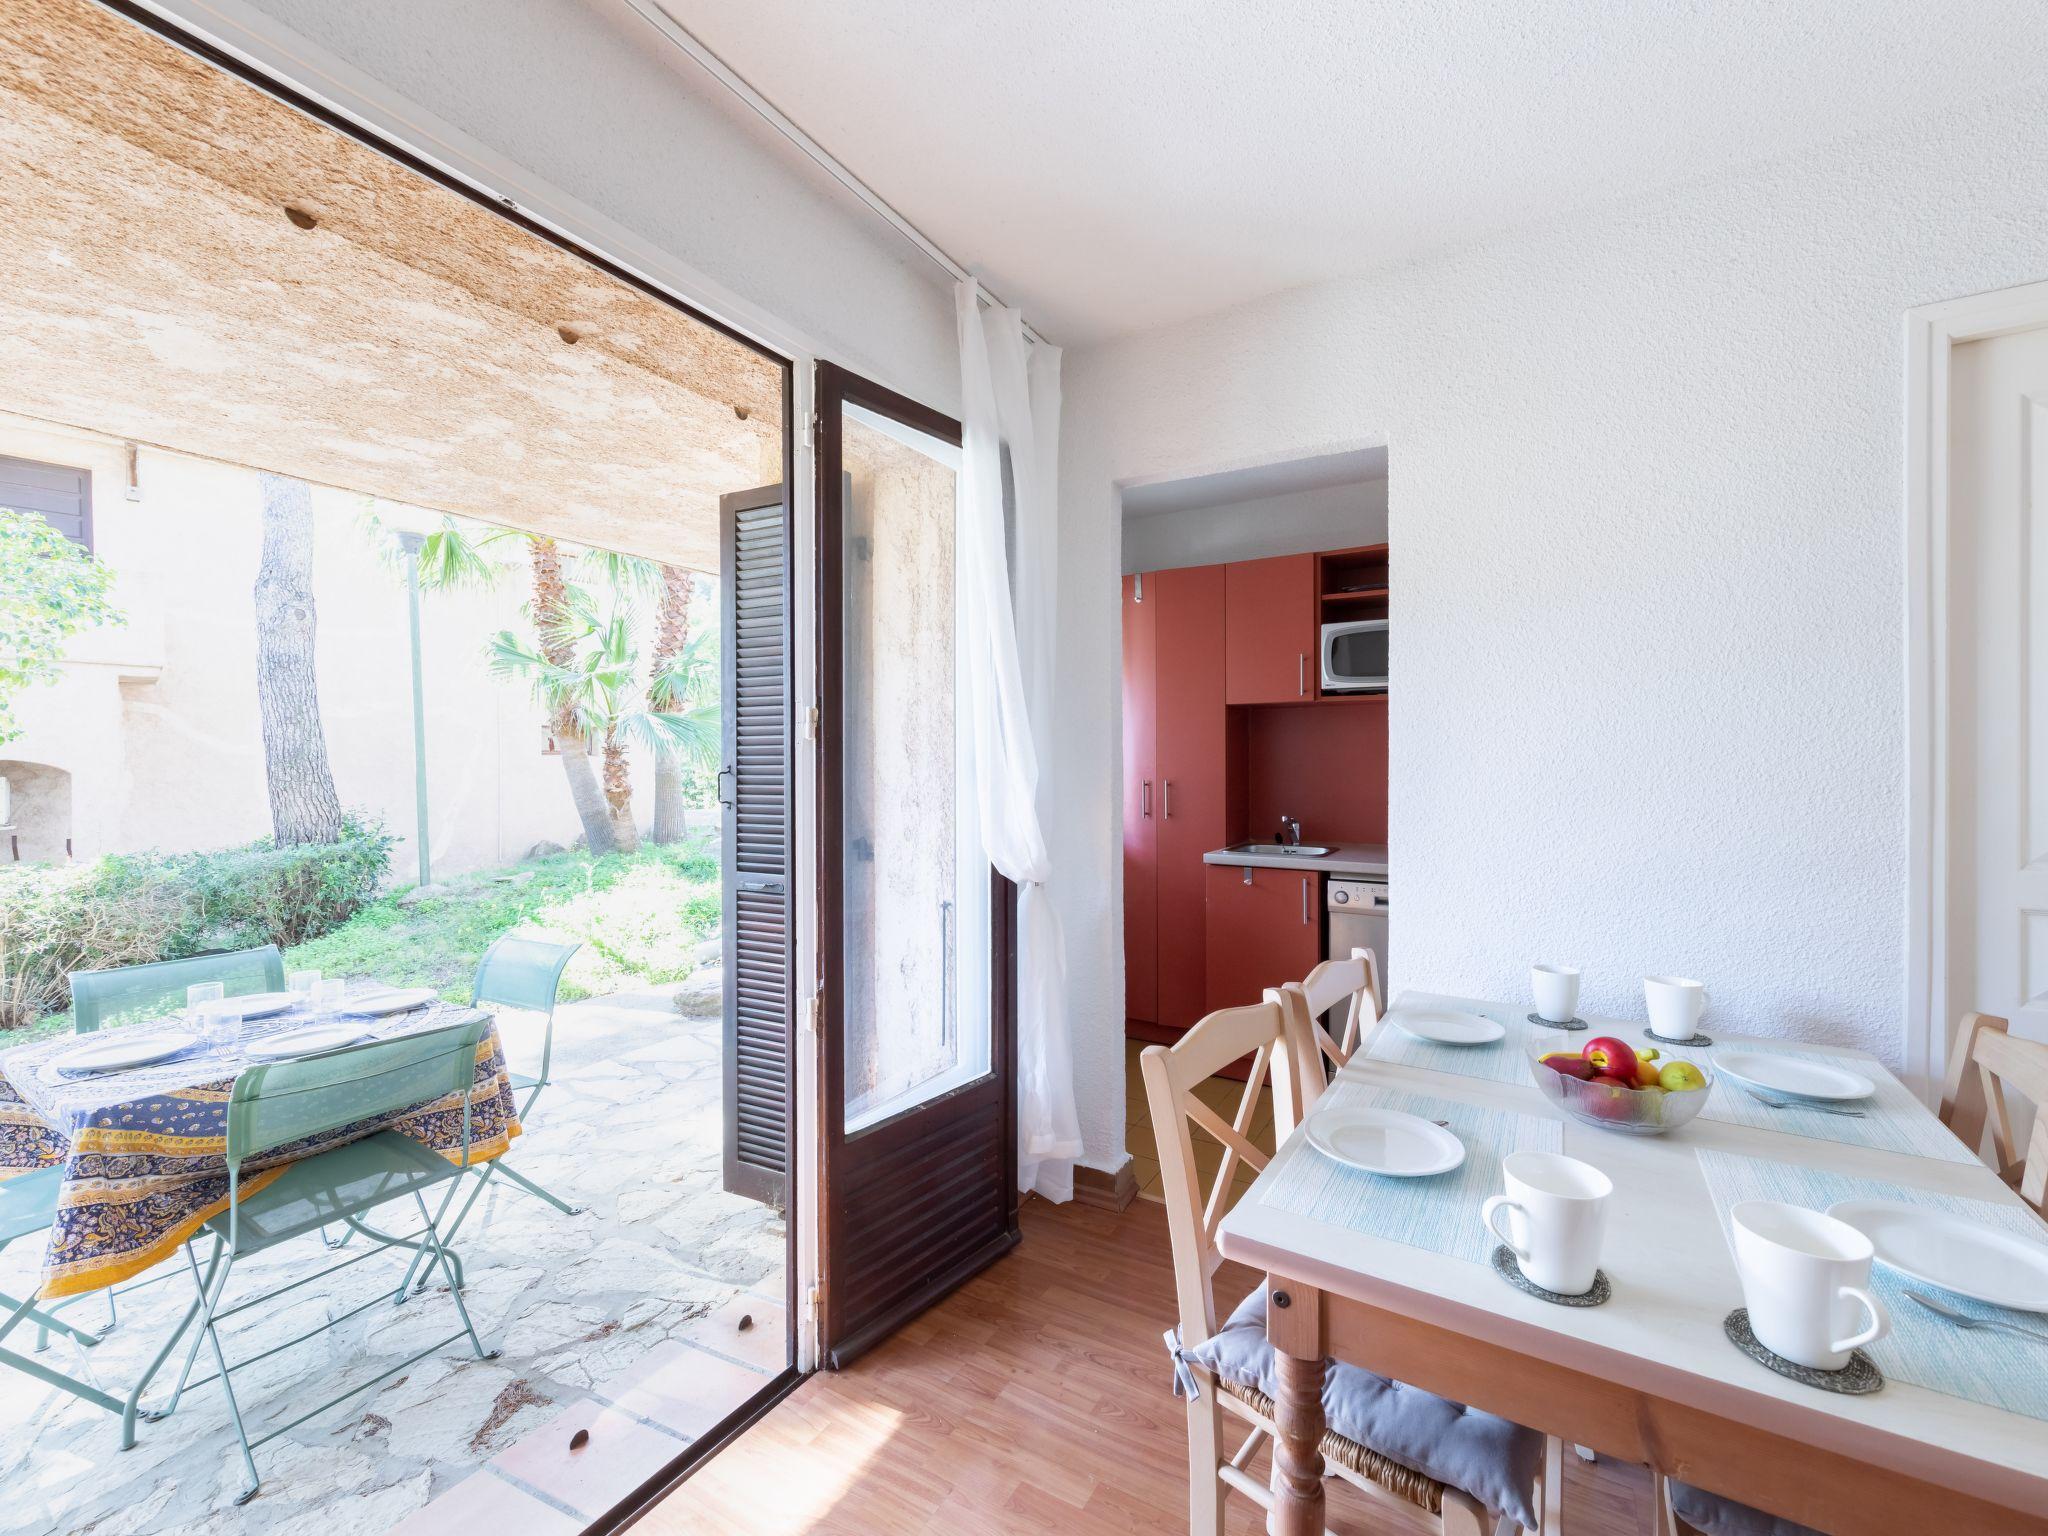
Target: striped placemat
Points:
(1980, 1365)
(1440, 1213)
(1499, 1062)
(1893, 1120)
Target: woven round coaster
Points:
(1858, 1377)
(1542, 1023)
(1505, 1266)
(1695, 1040)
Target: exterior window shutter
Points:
(62, 496)
(754, 789)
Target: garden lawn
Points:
(638, 916)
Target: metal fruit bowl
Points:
(1628, 1111)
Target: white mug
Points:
(1557, 1216)
(1804, 1277)
(1557, 992)
(1675, 1005)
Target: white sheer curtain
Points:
(1010, 399)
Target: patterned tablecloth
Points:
(144, 1152)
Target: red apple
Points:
(1613, 1057)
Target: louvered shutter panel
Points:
(755, 791)
(62, 495)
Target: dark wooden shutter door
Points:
(754, 789)
(62, 495)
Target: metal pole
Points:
(410, 543)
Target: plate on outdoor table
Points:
(1387, 1141)
(390, 1000)
(1984, 1263)
(308, 1040)
(120, 1049)
(1799, 1076)
(1447, 1026)
(262, 1005)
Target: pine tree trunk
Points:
(671, 634)
(550, 613)
(303, 805)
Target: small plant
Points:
(50, 590)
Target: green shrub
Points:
(132, 908)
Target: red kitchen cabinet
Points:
(1141, 801)
(1263, 930)
(1191, 734)
(1271, 610)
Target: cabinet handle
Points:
(1148, 797)
(1166, 799)
(1304, 902)
(1301, 674)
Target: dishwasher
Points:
(1358, 920)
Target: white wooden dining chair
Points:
(1352, 984)
(1230, 1370)
(1984, 1063)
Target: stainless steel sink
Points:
(1289, 850)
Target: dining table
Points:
(143, 1150)
(1397, 1276)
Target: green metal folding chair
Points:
(519, 973)
(128, 992)
(28, 1204)
(283, 1103)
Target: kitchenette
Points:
(1255, 778)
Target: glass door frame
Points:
(985, 1107)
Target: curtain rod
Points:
(680, 37)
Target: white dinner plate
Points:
(1795, 1075)
(1385, 1141)
(1983, 1263)
(262, 1005)
(120, 1049)
(308, 1040)
(1447, 1026)
(391, 1000)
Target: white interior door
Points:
(1998, 771)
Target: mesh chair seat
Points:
(322, 1190)
(28, 1203)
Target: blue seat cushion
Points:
(1718, 1516)
(1491, 1458)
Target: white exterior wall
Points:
(158, 723)
(1647, 510)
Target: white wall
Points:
(1647, 518)
(588, 100)
(1298, 523)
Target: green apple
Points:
(1681, 1077)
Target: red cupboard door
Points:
(1141, 799)
(1189, 797)
(1260, 934)
(1271, 608)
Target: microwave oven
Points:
(1355, 656)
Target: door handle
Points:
(1148, 797)
(1304, 901)
(1166, 800)
(1301, 674)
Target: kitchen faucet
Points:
(1290, 832)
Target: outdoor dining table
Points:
(144, 1150)
(1395, 1276)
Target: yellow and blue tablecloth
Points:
(144, 1152)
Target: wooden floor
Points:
(1034, 1399)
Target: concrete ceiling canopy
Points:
(193, 264)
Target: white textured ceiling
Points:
(1259, 482)
(1111, 168)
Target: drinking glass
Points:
(301, 985)
(220, 1022)
(199, 994)
(327, 995)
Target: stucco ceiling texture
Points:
(409, 344)
(1115, 168)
